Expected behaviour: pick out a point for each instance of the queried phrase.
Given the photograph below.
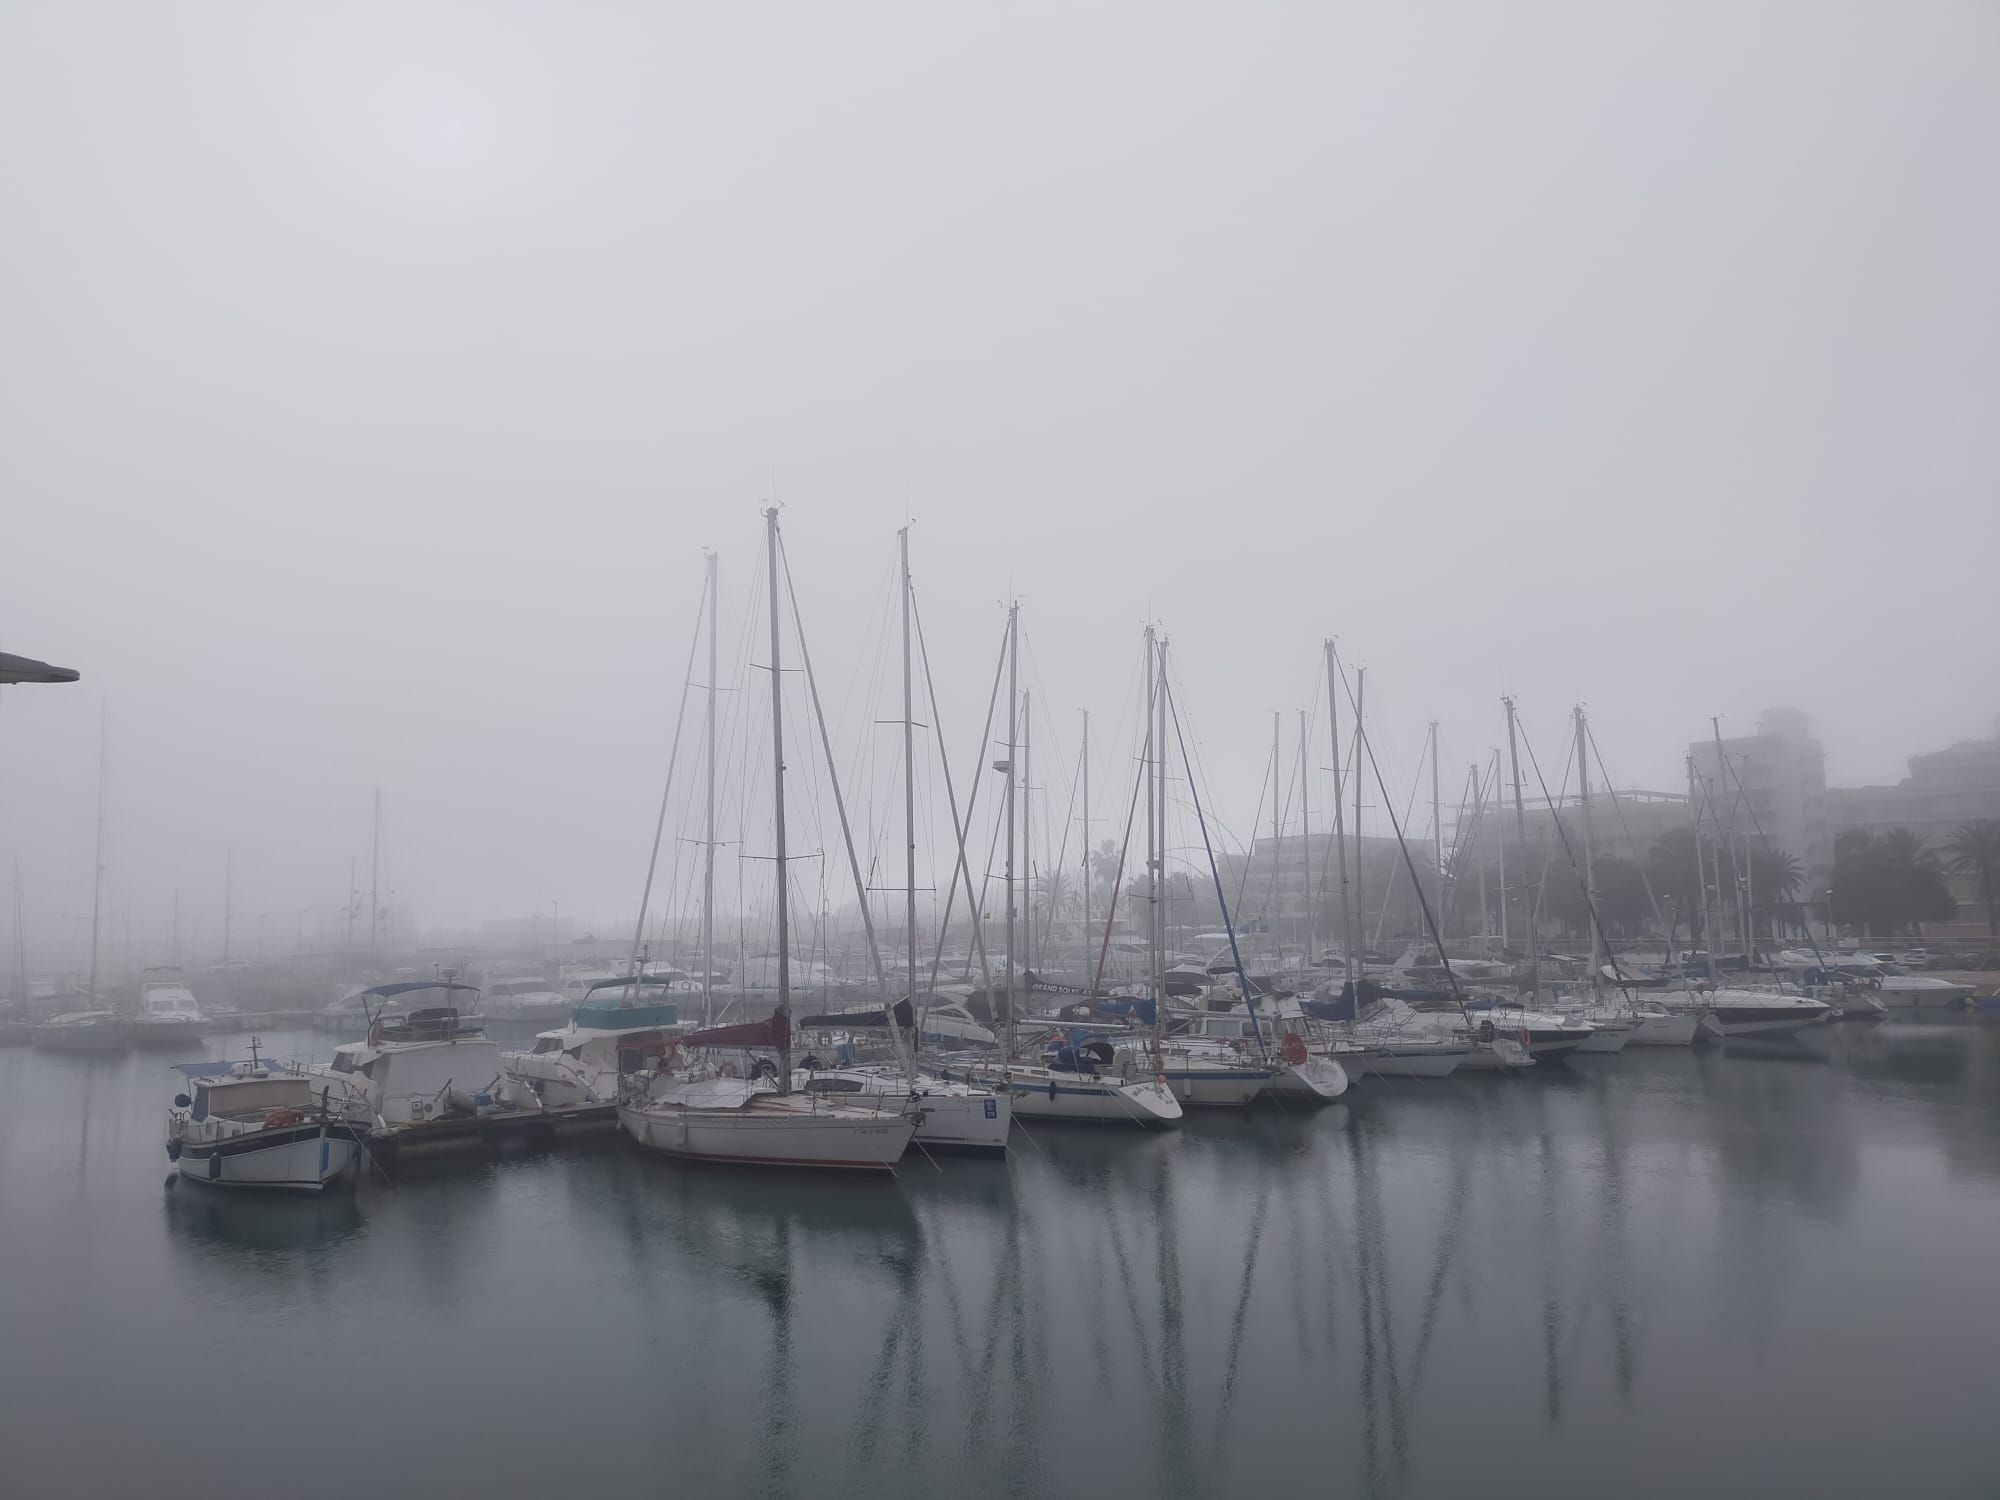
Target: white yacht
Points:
(417, 1065)
(244, 1125)
(1743, 1012)
(579, 1063)
(525, 997)
(168, 1014)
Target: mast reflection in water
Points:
(1647, 1274)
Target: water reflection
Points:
(256, 1229)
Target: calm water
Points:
(1658, 1274)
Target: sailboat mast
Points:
(1500, 845)
(1700, 874)
(1521, 828)
(708, 849)
(1152, 829)
(1339, 832)
(1360, 742)
(228, 899)
(1027, 839)
(375, 875)
(1277, 829)
(1437, 832)
(909, 788)
(97, 866)
(1306, 837)
(1086, 833)
(778, 806)
(1013, 749)
(1589, 855)
(1160, 791)
(1469, 846)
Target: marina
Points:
(1524, 1284)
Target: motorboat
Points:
(1899, 991)
(703, 1110)
(417, 1065)
(243, 1125)
(168, 1013)
(84, 1031)
(1743, 1012)
(580, 1063)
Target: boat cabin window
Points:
(256, 1095)
(343, 1062)
(834, 1086)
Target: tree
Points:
(1622, 907)
(1974, 849)
(1887, 883)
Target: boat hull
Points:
(302, 1159)
(1665, 1031)
(1402, 1061)
(1053, 1094)
(1606, 1040)
(750, 1137)
(1315, 1081)
(1760, 1021)
(96, 1038)
(1220, 1088)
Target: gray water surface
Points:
(1665, 1273)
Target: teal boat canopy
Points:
(609, 1015)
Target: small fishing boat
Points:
(244, 1125)
(168, 1014)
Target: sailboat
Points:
(951, 1114)
(1073, 1082)
(97, 1027)
(701, 1112)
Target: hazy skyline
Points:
(373, 379)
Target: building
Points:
(1945, 789)
(1770, 788)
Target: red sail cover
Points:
(771, 1033)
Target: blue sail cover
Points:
(851, 1019)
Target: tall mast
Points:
(1589, 866)
(909, 789)
(1437, 835)
(1013, 726)
(1500, 844)
(1360, 742)
(20, 944)
(708, 849)
(353, 900)
(1469, 847)
(228, 898)
(1027, 840)
(1086, 834)
(1306, 838)
(375, 875)
(1339, 832)
(1160, 791)
(97, 867)
(1152, 826)
(1277, 828)
(1700, 873)
(1725, 838)
(1521, 828)
(778, 806)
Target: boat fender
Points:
(1295, 1049)
(174, 1150)
(273, 1118)
(1052, 1089)
(1485, 1031)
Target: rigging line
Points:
(1590, 733)
(951, 796)
(673, 758)
(840, 806)
(1061, 864)
(1118, 880)
(1589, 906)
(1423, 902)
(963, 829)
(1215, 873)
(1389, 886)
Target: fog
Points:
(372, 378)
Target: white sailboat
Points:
(702, 1114)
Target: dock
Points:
(533, 1129)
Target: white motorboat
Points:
(244, 1125)
(580, 1063)
(1897, 991)
(1740, 1012)
(168, 1013)
(424, 1064)
(84, 1031)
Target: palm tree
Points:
(1974, 849)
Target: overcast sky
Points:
(371, 378)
